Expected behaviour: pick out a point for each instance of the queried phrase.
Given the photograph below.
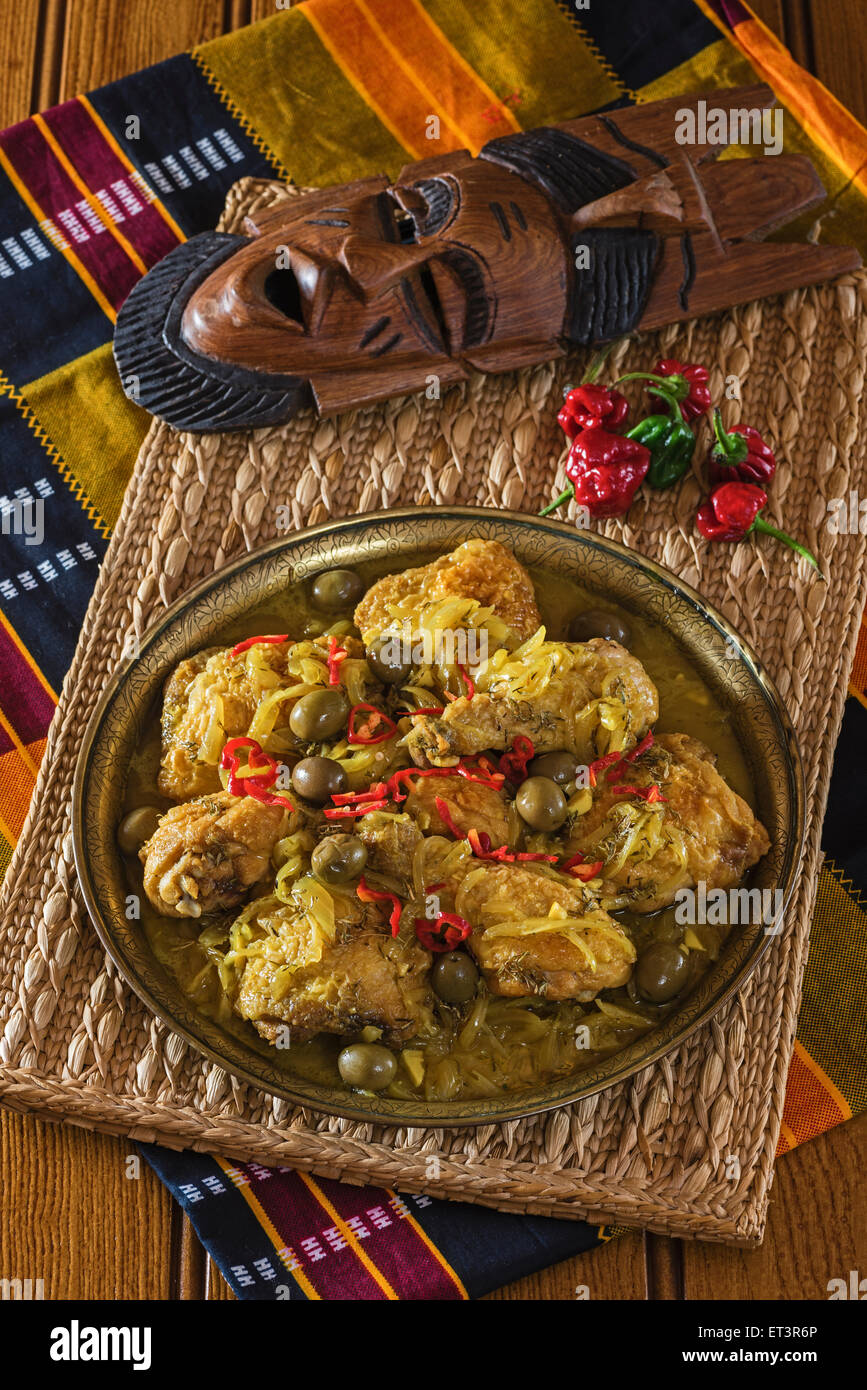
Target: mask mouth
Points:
(160, 371)
(283, 293)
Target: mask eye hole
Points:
(283, 292)
(405, 227)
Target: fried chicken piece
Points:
(210, 698)
(470, 805)
(478, 569)
(362, 977)
(205, 854)
(509, 905)
(600, 698)
(390, 841)
(701, 831)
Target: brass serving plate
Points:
(758, 717)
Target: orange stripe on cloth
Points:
(350, 1237)
(812, 1104)
(404, 67)
(267, 1226)
(18, 769)
(65, 250)
(434, 1250)
(137, 177)
(825, 119)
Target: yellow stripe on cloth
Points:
(832, 1027)
(825, 119)
(280, 74)
(350, 1237)
(65, 250)
(267, 1225)
(35, 424)
(95, 427)
(93, 202)
(434, 1249)
(407, 72)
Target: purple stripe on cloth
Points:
(25, 703)
(87, 235)
(326, 1259)
(731, 12)
(104, 172)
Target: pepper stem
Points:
(761, 525)
(558, 501)
(597, 362)
(675, 386)
(732, 446)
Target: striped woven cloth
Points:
(93, 193)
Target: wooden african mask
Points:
(569, 235)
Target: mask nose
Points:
(376, 266)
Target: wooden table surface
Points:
(68, 1213)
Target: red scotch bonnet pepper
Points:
(590, 406)
(733, 511)
(686, 382)
(739, 455)
(605, 471)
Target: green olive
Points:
(541, 803)
(336, 591)
(136, 827)
(595, 622)
(454, 977)
(339, 859)
(662, 972)
(319, 715)
(385, 657)
(318, 779)
(559, 767)
(367, 1066)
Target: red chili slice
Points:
(576, 868)
(468, 682)
(600, 763)
(336, 654)
(443, 934)
(445, 816)
(513, 764)
(256, 783)
(346, 812)
(428, 709)
(254, 641)
(375, 895)
(355, 735)
(651, 793)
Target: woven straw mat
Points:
(76, 1044)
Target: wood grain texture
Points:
(19, 25)
(68, 1213)
(104, 39)
(817, 1227)
(71, 1216)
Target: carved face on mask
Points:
(349, 295)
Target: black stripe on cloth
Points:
(640, 39)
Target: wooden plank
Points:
(839, 51)
(104, 40)
(817, 1228)
(20, 27)
(72, 1217)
